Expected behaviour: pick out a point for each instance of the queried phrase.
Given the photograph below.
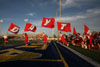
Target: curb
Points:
(96, 64)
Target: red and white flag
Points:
(48, 22)
(30, 27)
(14, 28)
(66, 27)
(74, 31)
(86, 29)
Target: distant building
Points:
(31, 36)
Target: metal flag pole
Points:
(57, 20)
(57, 15)
(1, 21)
(60, 10)
(57, 29)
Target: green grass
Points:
(93, 54)
(12, 42)
(1, 42)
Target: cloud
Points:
(94, 11)
(72, 18)
(36, 22)
(66, 3)
(77, 3)
(40, 3)
(90, 17)
(89, 13)
(81, 16)
(7, 19)
(31, 14)
(43, 3)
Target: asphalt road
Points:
(55, 55)
(72, 59)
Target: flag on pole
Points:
(30, 27)
(66, 27)
(48, 22)
(74, 31)
(14, 28)
(86, 29)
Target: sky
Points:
(76, 12)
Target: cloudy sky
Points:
(76, 12)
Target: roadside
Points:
(93, 54)
(90, 56)
(10, 44)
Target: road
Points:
(54, 55)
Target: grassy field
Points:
(11, 42)
(93, 54)
(18, 41)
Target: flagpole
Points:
(1, 21)
(26, 20)
(57, 20)
(52, 32)
(57, 15)
(60, 10)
